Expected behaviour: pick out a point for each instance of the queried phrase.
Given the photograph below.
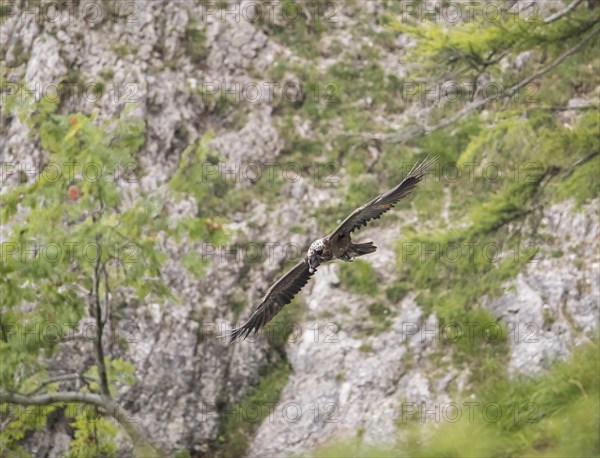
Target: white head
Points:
(315, 254)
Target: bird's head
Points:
(315, 254)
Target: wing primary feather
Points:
(382, 203)
(280, 294)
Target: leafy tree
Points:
(74, 246)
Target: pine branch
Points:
(420, 131)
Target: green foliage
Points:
(478, 44)
(237, 304)
(239, 422)
(380, 317)
(5, 12)
(379, 86)
(454, 268)
(396, 292)
(18, 420)
(94, 436)
(120, 372)
(301, 24)
(365, 348)
(359, 277)
(205, 175)
(539, 151)
(578, 75)
(542, 151)
(195, 43)
(552, 415)
(72, 245)
(56, 220)
(582, 185)
(540, 158)
(219, 101)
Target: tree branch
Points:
(579, 162)
(142, 447)
(99, 329)
(590, 106)
(561, 13)
(63, 378)
(559, 60)
(106, 295)
(402, 137)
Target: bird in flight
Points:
(337, 245)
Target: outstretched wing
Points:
(280, 294)
(382, 203)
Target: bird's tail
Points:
(364, 248)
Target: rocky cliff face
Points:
(339, 387)
(171, 61)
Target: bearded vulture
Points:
(336, 245)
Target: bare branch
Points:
(579, 162)
(54, 398)
(63, 378)
(590, 106)
(561, 13)
(556, 62)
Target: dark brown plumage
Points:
(382, 203)
(337, 245)
(279, 295)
